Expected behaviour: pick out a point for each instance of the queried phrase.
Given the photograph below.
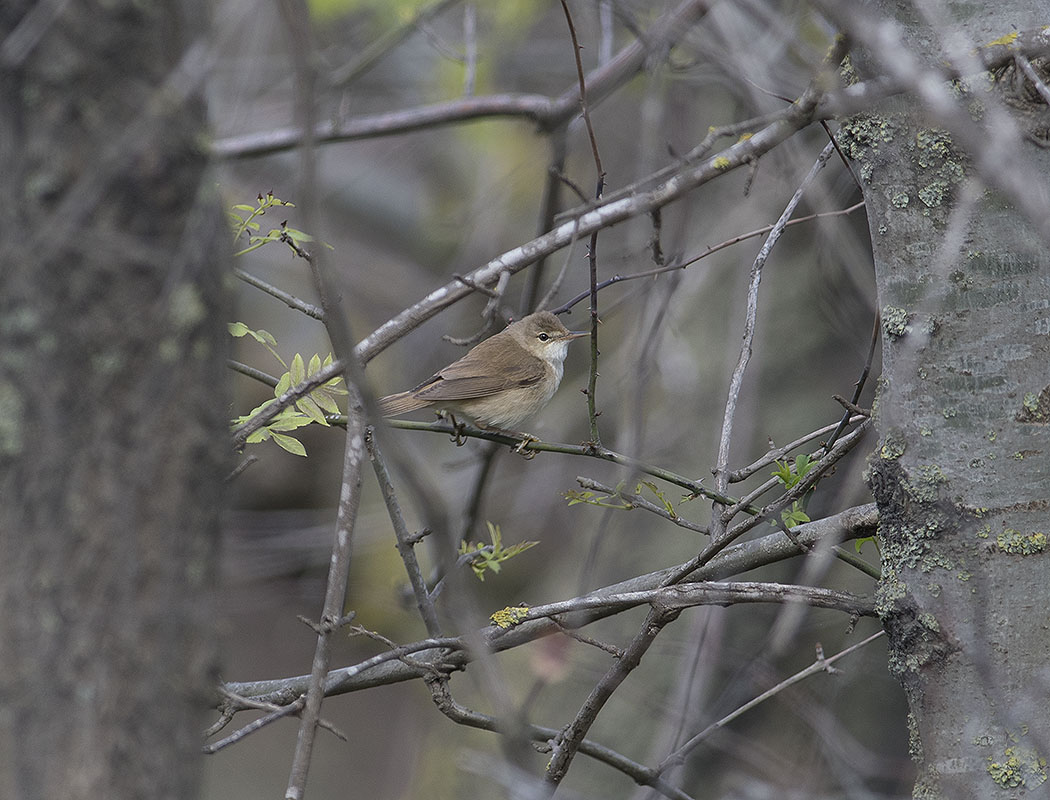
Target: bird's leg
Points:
(457, 427)
(526, 440)
(519, 448)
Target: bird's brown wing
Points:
(478, 374)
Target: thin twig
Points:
(592, 251)
(781, 452)
(1030, 73)
(637, 501)
(252, 372)
(772, 510)
(818, 666)
(548, 113)
(365, 59)
(639, 773)
(863, 379)
(404, 538)
(675, 265)
(236, 471)
(281, 712)
(722, 465)
(568, 743)
(789, 121)
(288, 299)
(452, 654)
(301, 48)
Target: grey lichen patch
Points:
(899, 199)
(930, 326)
(847, 72)
(939, 168)
(909, 546)
(933, 194)
(1035, 407)
(1023, 544)
(924, 483)
(892, 447)
(889, 595)
(861, 136)
(894, 321)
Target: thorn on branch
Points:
(615, 652)
(853, 408)
(327, 624)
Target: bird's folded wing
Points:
(468, 378)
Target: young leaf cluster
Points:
(617, 500)
(308, 409)
(789, 475)
(243, 220)
(489, 557)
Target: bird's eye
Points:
(543, 337)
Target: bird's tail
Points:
(394, 405)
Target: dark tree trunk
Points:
(111, 412)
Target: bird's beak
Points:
(575, 335)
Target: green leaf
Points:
(314, 365)
(289, 443)
(859, 543)
(309, 407)
(288, 420)
(803, 464)
(284, 383)
(794, 516)
(325, 401)
(297, 370)
(299, 236)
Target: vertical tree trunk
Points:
(111, 428)
(962, 474)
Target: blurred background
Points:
(402, 214)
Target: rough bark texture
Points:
(111, 429)
(962, 474)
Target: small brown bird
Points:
(500, 382)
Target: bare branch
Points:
(547, 113)
(382, 669)
(820, 665)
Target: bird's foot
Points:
(457, 427)
(521, 447)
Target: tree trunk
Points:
(111, 416)
(962, 475)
